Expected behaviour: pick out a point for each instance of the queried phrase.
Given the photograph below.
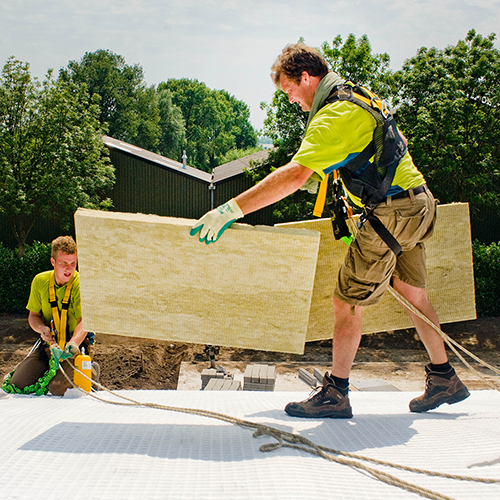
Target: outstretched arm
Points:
(276, 186)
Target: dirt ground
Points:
(129, 363)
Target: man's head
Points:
(63, 259)
(298, 71)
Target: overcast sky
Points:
(228, 44)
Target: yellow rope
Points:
(295, 441)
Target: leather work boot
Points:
(324, 402)
(439, 389)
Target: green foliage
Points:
(285, 126)
(173, 127)
(52, 157)
(216, 122)
(17, 273)
(236, 154)
(353, 60)
(126, 105)
(487, 278)
(449, 109)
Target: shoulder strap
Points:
(60, 321)
(386, 146)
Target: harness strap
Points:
(384, 233)
(321, 198)
(60, 320)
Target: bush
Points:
(487, 277)
(16, 274)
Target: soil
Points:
(133, 363)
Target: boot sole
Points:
(454, 398)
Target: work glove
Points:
(311, 186)
(59, 355)
(214, 223)
(72, 348)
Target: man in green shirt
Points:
(55, 314)
(338, 136)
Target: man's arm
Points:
(79, 334)
(276, 186)
(36, 322)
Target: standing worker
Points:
(347, 132)
(55, 313)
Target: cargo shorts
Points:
(370, 264)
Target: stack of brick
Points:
(259, 378)
(211, 373)
(223, 384)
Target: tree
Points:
(173, 128)
(353, 60)
(127, 105)
(52, 157)
(449, 108)
(285, 126)
(215, 121)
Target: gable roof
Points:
(162, 161)
(220, 173)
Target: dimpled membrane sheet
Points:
(145, 276)
(450, 277)
(75, 447)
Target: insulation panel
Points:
(450, 280)
(145, 276)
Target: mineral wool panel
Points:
(450, 278)
(145, 276)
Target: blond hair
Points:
(65, 244)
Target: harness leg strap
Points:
(384, 233)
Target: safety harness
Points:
(369, 180)
(60, 321)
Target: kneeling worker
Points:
(55, 313)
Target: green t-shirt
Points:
(340, 131)
(39, 300)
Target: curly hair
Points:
(65, 244)
(296, 58)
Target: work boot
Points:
(324, 402)
(439, 388)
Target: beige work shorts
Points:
(370, 264)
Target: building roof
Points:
(157, 159)
(220, 173)
(144, 452)
(236, 167)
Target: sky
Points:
(228, 44)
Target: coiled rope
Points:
(295, 441)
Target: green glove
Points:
(214, 223)
(59, 354)
(72, 348)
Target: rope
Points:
(297, 442)
(449, 341)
